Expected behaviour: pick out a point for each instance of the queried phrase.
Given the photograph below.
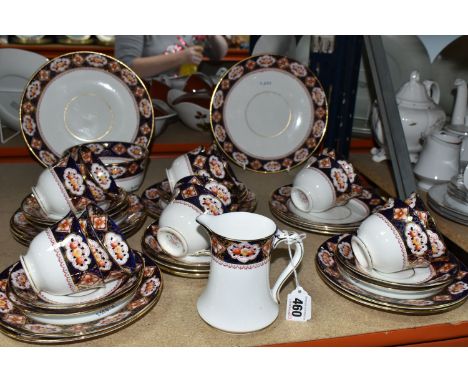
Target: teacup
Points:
(229, 199)
(61, 189)
(107, 243)
(179, 234)
(324, 184)
(396, 238)
(60, 261)
(125, 161)
(200, 161)
(93, 168)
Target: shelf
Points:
(175, 140)
(54, 50)
(174, 321)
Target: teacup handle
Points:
(292, 238)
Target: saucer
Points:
(337, 220)
(386, 291)
(17, 67)
(352, 212)
(83, 97)
(34, 213)
(16, 324)
(157, 196)
(20, 290)
(105, 310)
(268, 113)
(437, 200)
(439, 273)
(449, 297)
(129, 219)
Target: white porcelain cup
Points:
(378, 245)
(312, 191)
(179, 234)
(46, 267)
(52, 196)
(180, 168)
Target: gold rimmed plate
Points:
(356, 210)
(36, 216)
(268, 113)
(16, 324)
(84, 97)
(439, 273)
(23, 295)
(129, 220)
(449, 297)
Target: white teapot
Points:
(419, 112)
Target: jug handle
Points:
(433, 90)
(296, 239)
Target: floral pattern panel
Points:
(105, 231)
(421, 243)
(74, 248)
(240, 254)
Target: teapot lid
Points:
(413, 93)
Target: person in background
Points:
(151, 56)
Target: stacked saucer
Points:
(327, 197)
(396, 262)
(79, 279)
(47, 319)
(127, 210)
(339, 219)
(450, 200)
(438, 288)
(203, 182)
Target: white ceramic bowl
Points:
(163, 115)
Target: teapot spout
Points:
(459, 110)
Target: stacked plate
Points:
(450, 200)
(44, 318)
(127, 210)
(339, 219)
(440, 287)
(196, 265)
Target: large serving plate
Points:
(340, 219)
(449, 297)
(16, 68)
(268, 113)
(84, 97)
(17, 324)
